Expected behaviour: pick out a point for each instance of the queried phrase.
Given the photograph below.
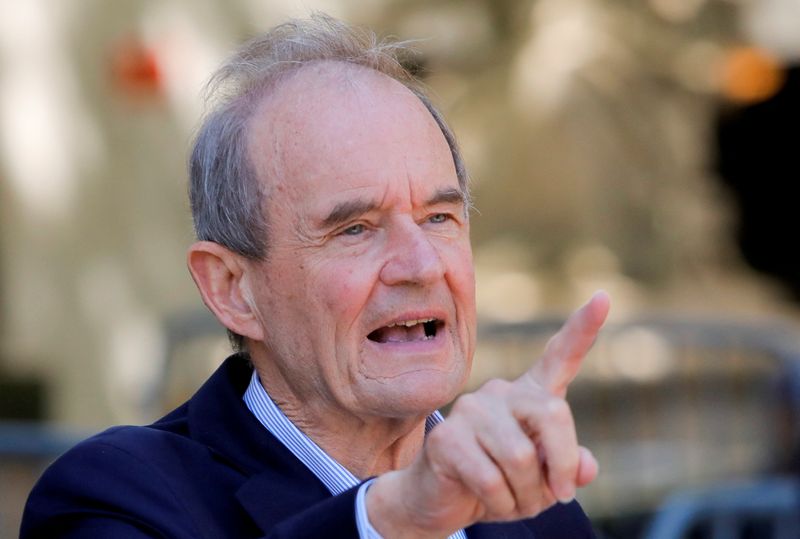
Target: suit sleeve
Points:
(99, 490)
(563, 521)
(333, 518)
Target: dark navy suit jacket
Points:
(209, 470)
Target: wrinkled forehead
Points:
(313, 85)
(325, 113)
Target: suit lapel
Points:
(219, 419)
(278, 484)
(272, 496)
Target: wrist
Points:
(388, 510)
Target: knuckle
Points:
(521, 456)
(557, 410)
(505, 510)
(530, 508)
(496, 386)
(491, 485)
(439, 435)
(467, 404)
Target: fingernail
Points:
(567, 496)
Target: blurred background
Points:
(648, 147)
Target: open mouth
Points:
(407, 331)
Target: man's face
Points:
(366, 296)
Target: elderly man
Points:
(331, 207)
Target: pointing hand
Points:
(508, 451)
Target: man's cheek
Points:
(339, 299)
(348, 288)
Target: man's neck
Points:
(372, 450)
(365, 446)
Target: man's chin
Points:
(418, 393)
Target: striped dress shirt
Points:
(333, 475)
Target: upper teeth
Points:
(409, 323)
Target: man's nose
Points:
(413, 258)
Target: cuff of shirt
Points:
(365, 529)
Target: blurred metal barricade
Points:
(764, 509)
(669, 404)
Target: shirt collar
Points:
(331, 473)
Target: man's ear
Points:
(219, 276)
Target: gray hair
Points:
(227, 199)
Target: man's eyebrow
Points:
(348, 210)
(449, 195)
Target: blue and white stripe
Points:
(333, 475)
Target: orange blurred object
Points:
(750, 75)
(135, 68)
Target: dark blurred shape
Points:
(25, 445)
(758, 159)
(21, 398)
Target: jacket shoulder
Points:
(123, 474)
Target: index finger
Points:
(565, 351)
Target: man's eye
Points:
(438, 218)
(354, 230)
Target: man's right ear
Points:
(219, 275)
